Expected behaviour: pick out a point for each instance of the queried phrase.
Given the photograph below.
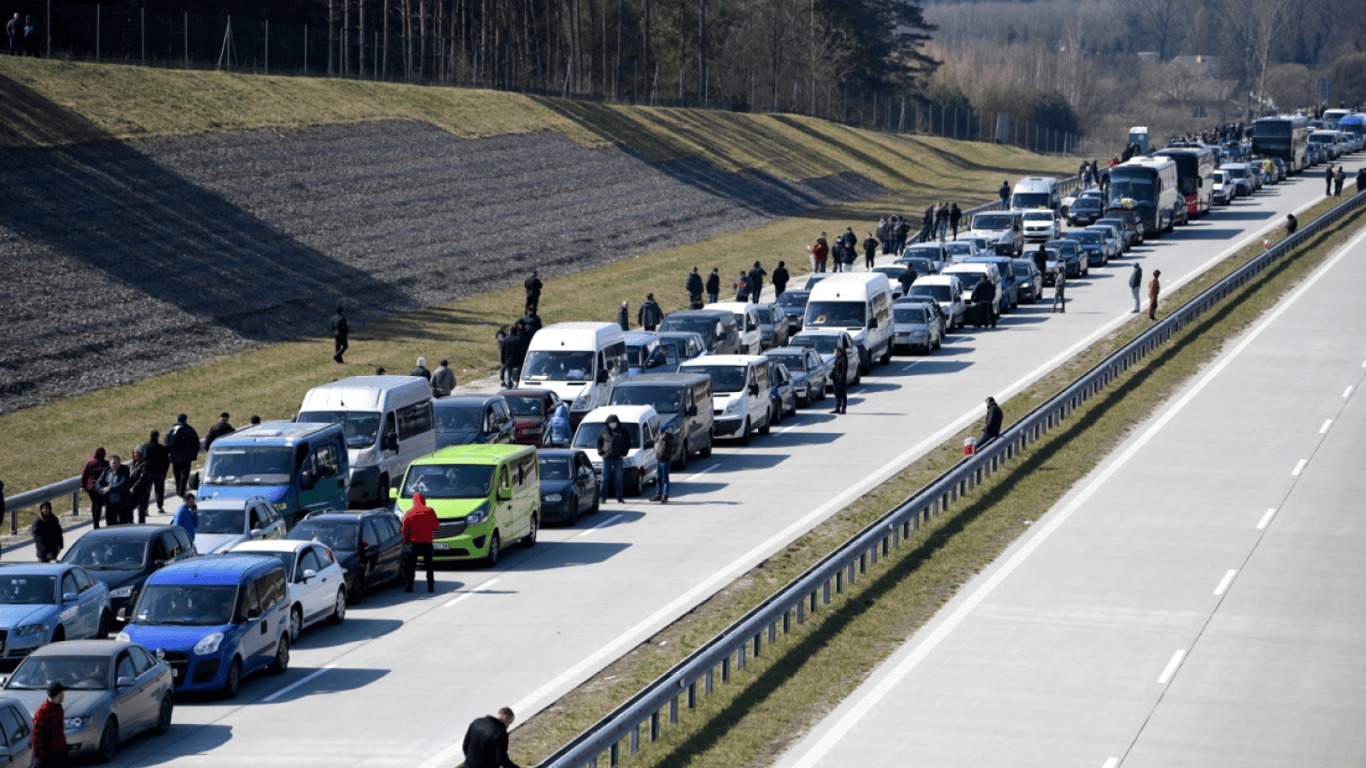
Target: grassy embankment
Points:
(110, 102)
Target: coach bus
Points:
(1194, 177)
(1148, 187)
(1283, 136)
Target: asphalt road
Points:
(398, 682)
(1195, 601)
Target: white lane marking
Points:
(482, 588)
(292, 686)
(1363, 363)
(1347, 392)
(784, 429)
(893, 678)
(603, 524)
(1323, 430)
(1266, 519)
(1224, 582)
(909, 366)
(1171, 667)
(1299, 467)
(696, 475)
(1112, 762)
(445, 756)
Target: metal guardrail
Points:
(729, 650)
(68, 487)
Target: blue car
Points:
(43, 603)
(215, 620)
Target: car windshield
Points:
(1235, 172)
(933, 292)
(463, 418)
(963, 249)
(1029, 200)
(339, 536)
(725, 379)
(554, 365)
(77, 673)
(556, 469)
(909, 315)
(795, 361)
(837, 314)
(664, 399)
(993, 221)
(1036, 216)
(1087, 203)
(931, 252)
(449, 481)
(359, 427)
(892, 272)
(968, 279)
(587, 436)
(28, 590)
(1022, 267)
(1137, 188)
(248, 465)
(794, 298)
(822, 343)
(1118, 224)
(526, 405)
(189, 606)
(921, 266)
(107, 554)
(1085, 236)
(707, 326)
(1320, 138)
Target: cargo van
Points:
(640, 465)
(299, 468)
(970, 274)
(580, 362)
(748, 321)
(1003, 229)
(947, 291)
(719, 330)
(1036, 193)
(860, 303)
(485, 498)
(741, 401)
(683, 402)
(387, 421)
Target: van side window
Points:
(616, 359)
(389, 429)
(326, 461)
(503, 482)
(526, 472)
(272, 588)
(251, 601)
(414, 419)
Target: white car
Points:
(317, 583)
(226, 522)
(962, 250)
(641, 424)
(1042, 225)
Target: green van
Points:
(485, 496)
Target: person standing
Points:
(907, 279)
(839, 379)
(218, 430)
(624, 316)
(533, 287)
(756, 281)
(116, 485)
(780, 278)
(927, 224)
(1135, 285)
(664, 456)
(418, 527)
(992, 430)
(516, 344)
(340, 331)
(1060, 289)
(613, 445)
(819, 253)
(694, 286)
(1005, 195)
(561, 428)
(1338, 181)
(183, 444)
(443, 380)
(140, 485)
(1041, 260)
(1361, 180)
(983, 294)
(187, 516)
(486, 741)
(504, 353)
(49, 729)
(941, 222)
(47, 534)
(884, 233)
(158, 464)
(903, 231)
(955, 218)
(1328, 181)
(1154, 290)
(90, 483)
(648, 314)
(420, 370)
(869, 252)
(742, 286)
(714, 285)
(32, 45)
(14, 28)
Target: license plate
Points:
(441, 546)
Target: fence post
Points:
(305, 50)
(98, 7)
(187, 40)
(142, 12)
(267, 67)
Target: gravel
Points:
(125, 260)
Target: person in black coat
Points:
(340, 331)
(955, 218)
(780, 278)
(504, 354)
(983, 294)
(140, 486)
(694, 287)
(218, 430)
(624, 316)
(516, 345)
(533, 287)
(756, 281)
(907, 279)
(1005, 195)
(420, 370)
(713, 286)
(870, 251)
(183, 443)
(613, 445)
(903, 231)
(839, 379)
(486, 741)
(47, 534)
(116, 485)
(158, 464)
(993, 423)
(648, 314)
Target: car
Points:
(983, 243)
(936, 253)
(793, 304)
(947, 292)
(807, 369)
(815, 277)
(1133, 223)
(1254, 171)
(916, 326)
(1004, 230)
(473, 420)
(893, 273)
(685, 344)
(17, 745)
(43, 603)
(1085, 210)
(1029, 280)
(773, 326)
(639, 346)
(1327, 142)
(1281, 171)
(569, 486)
(1095, 244)
(824, 341)
(367, 543)
(961, 250)
(1225, 190)
(531, 412)
(1041, 225)
(924, 266)
(1113, 242)
(123, 556)
(1073, 259)
(641, 424)
(225, 522)
(1239, 175)
(115, 690)
(314, 581)
(1127, 229)
(782, 391)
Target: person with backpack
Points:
(694, 287)
(1136, 285)
(664, 456)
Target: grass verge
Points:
(803, 676)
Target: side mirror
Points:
(307, 480)
(309, 573)
(872, 322)
(393, 493)
(602, 376)
(256, 533)
(692, 410)
(70, 597)
(390, 442)
(649, 443)
(254, 613)
(754, 388)
(158, 563)
(127, 682)
(120, 615)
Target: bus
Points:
(1283, 136)
(1147, 186)
(1194, 177)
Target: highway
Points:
(1195, 601)
(399, 681)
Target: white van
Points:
(580, 362)
(947, 291)
(970, 274)
(642, 425)
(860, 303)
(1003, 229)
(1034, 193)
(388, 422)
(741, 400)
(747, 318)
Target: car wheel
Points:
(359, 584)
(822, 394)
(495, 549)
(886, 355)
(102, 632)
(711, 440)
(681, 463)
(768, 422)
(776, 417)
(296, 622)
(573, 510)
(597, 501)
(744, 432)
(233, 684)
(529, 540)
(109, 741)
(633, 486)
(339, 608)
(281, 663)
(164, 717)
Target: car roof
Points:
(474, 454)
(146, 531)
(35, 569)
(82, 648)
(524, 392)
(288, 431)
(627, 413)
(822, 332)
(211, 569)
(467, 401)
(559, 453)
(635, 337)
(664, 379)
(269, 545)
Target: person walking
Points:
(533, 287)
(983, 295)
(32, 43)
(1154, 290)
(907, 279)
(486, 741)
(1041, 260)
(927, 224)
(140, 485)
(780, 278)
(869, 252)
(1328, 181)
(819, 253)
(187, 516)
(714, 286)
(47, 534)
(665, 448)
(561, 428)
(1338, 180)
(694, 287)
(648, 314)
(839, 379)
(49, 729)
(1136, 285)
(955, 218)
(419, 524)
(992, 428)
(624, 316)
(340, 332)
(420, 370)
(116, 485)
(219, 429)
(1060, 289)
(443, 380)
(1361, 179)
(183, 444)
(14, 28)
(941, 222)
(756, 281)
(500, 337)
(158, 464)
(516, 344)
(613, 445)
(903, 232)
(884, 233)
(90, 483)
(1005, 195)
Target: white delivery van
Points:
(747, 318)
(947, 291)
(641, 423)
(857, 302)
(1036, 193)
(388, 422)
(741, 400)
(1003, 229)
(580, 362)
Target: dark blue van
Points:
(300, 468)
(215, 620)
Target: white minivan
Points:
(388, 422)
(747, 317)
(970, 274)
(740, 396)
(857, 302)
(641, 423)
(580, 362)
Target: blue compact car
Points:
(43, 603)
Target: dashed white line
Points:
(696, 475)
(1171, 667)
(1323, 430)
(909, 366)
(1299, 467)
(1224, 582)
(603, 524)
(1266, 519)
(291, 687)
(482, 588)
(1112, 762)
(1347, 392)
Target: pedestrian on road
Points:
(780, 278)
(1041, 260)
(116, 485)
(1338, 181)
(1154, 290)
(992, 430)
(158, 464)
(648, 314)
(418, 527)
(819, 253)
(907, 278)
(1361, 180)
(903, 231)
(141, 485)
(714, 286)
(1136, 284)
(420, 370)
(47, 534)
(665, 448)
(694, 286)
(221, 428)
(1291, 224)
(941, 222)
(90, 483)
(187, 516)
(742, 286)
(183, 444)
(613, 445)
(869, 252)
(516, 343)
(486, 741)
(49, 729)
(533, 287)
(624, 316)
(340, 331)
(443, 380)
(1328, 181)
(561, 429)
(839, 379)
(955, 218)
(756, 281)
(983, 296)
(1060, 289)
(1005, 195)
(884, 233)
(500, 336)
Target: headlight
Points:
(580, 404)
(553, 497)
(209, 644)
(733, 405)
(282, 506)
(477, 516)
(917, 334)
(124, 638)
(31, 629)
(77, 723)
(123, 591)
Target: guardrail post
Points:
(896, 535)
(863, 563)
(740, 654)
(851, 572)
(654, 722)
(886, 545)
(801, 611)
(692, 692)
(787, 622)
(825, 592)
(594, 762)
(758, 645)
(673, 711)
(75, 503)
(872, 554)
(709, 683)
(839, 582)
(812, 598)
(634, 745)
(725, 669)
(614, 754)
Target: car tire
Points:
(887, 355)
(681, 463)
(233, 684)
(573, 511)
(339, 608)
(495, 550)
(164, 716)
(359, 585)
(102, 631)
(529, 540)
(711, 441)
(109, 741)
(296, 622)
(281, 663)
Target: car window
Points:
(142, 661)
(251, 601)
(182, 540)
(370, 533)
(310, 562)
(124, 667)
(14, 727)
(69, 584)
(160, 551)
(324, 555)
(258, 517)
(83, 580)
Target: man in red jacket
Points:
(49, 731)
(418, 526)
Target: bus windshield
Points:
(1123, 186)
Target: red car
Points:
(531, 412)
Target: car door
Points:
(74, 618)
(393, 542)
(315, 592)
(585, 481)
(129, 699)
(17, 735)
(256, 635)
(386, 559)
(149, 684)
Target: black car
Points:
(793, 304)
(569, 486)
(1084, 211)
(473, 419)
(123, 556)
(368, 545)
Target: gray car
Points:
(807, 370)
(1113, 241)
(793, 304)
(1029, 280)
(783, 391)
(916, 326)
(773, 327)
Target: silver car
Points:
(225, 522)
(807, 369)
(1115, 243)
(916, 326)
